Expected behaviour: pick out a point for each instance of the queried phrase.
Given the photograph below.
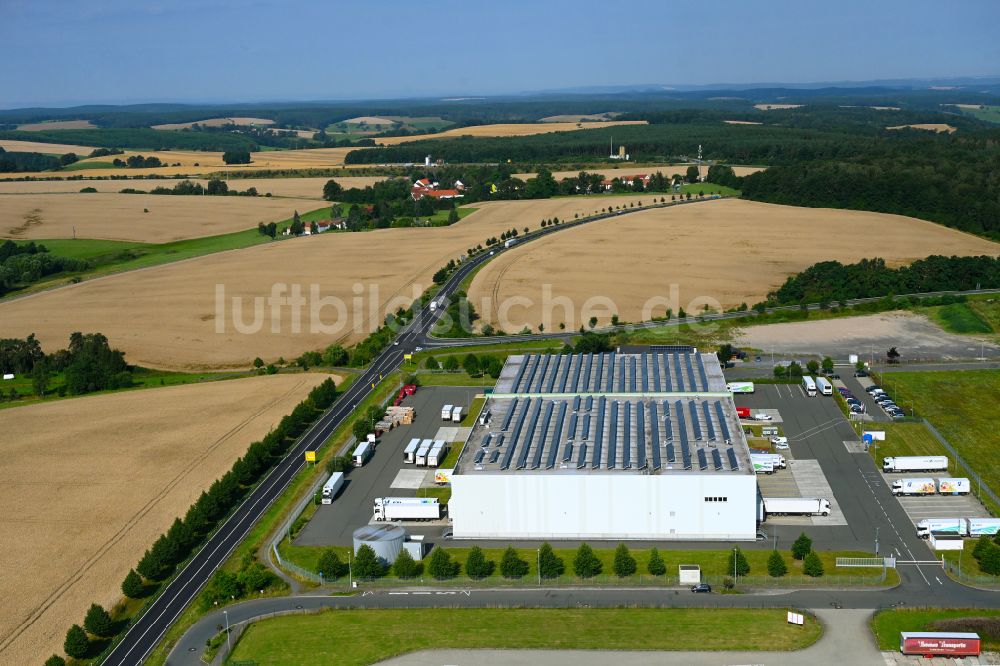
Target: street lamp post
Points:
(350, 572)
(735, 575)
(538, 565)
(876, 539)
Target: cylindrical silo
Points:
(385, 539)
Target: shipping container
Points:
(410, 452)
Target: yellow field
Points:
(89, 483)
(14, 145)
(57, 125)
(165, 317)
(299, 188)
(121, 216)
(522, 129)
(215, 122)
(933, 127)
(727, 251)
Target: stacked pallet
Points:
(401, 415)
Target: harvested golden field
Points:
(933, 127)
(514, 129)
(89, 483)
(14, 145)
(776, 107)
(121, 216)
(368, 120)
(215, 122)
(723, 252)
(299, 188)
(57, 125)
(168, 316)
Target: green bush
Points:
(738, 563)
(441, 566)
(550, 565)
(329, 565)
(477, 566)
(656, 566)
(812, 566)
(586, 564)
(511, 564)
(405, 566)
(776, 567)
(802, 546)
(625, 564)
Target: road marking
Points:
(938, 580)
(421, 593)
(368, 593)
(393, 593)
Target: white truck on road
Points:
(331, 487)
(796, 506)
(915, 464)
(964, 527)
(922, 486)
(407, 508)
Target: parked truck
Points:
(915, 464)
(362, 454)
(456, 414)
(777, 460)
(422, 451)
(446, 412)
(954, 486)
(437, 454)
(407, 508)
(510, 242)
(796, 506)
(921, 486)
(809, 385)
(824, 386)
(740, 387)
(743, 412)
(332, 487)
(964, 527)
(762, 466)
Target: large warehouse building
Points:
(607, 446)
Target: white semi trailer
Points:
(446, 412)
(407, 508)
(332, 487)
(796, 506)
(922, 486)
(915, 464)
(963, 527)
(954, 486)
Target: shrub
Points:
(55, 660)
(550, 565)
(511, 564)
(405, 566)
(738, 563)
(656, 565)
(98, 621)
(76, 645)
(802, 546)
(986, 627)
(366, 565)
(132, 586)
(441, 566)
(585, 563)
(625, 564)
(776, 567)
(477, 566)
(329, 565)
(812, 566)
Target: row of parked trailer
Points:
(425, 452)
(928, 486)
(451, 413)
(819, 385)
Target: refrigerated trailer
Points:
(332, 486)
(406, 508)
(456, 415)
(362, 454)
(437, 454)
(796, 506)
(954, 486)
(915, 464)
(422, 451)
(777, 461)
(446, 412)
(930, 644)
(740, 387)
(924, 486)
(410, 452)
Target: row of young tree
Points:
(185, 535)
(214, 187)
(830, 281)
(586, 563)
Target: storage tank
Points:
(385, 539)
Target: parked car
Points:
(898, 416)
(833, 375)
(781, 446)
(701, 587)
(860, 373)
(873, 388)
(761, 416)
(857, 409)
(779, 440)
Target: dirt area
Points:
(933, 127)
(165, 317)
(16, 146)
(516, 129)
(215, 122)
(777, 107)
(915, 336)
(89, 483)
(122, 216)
(57, 125)
(722, 252)
(299, 188)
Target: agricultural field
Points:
(57, 125)
(721, 252)
(364, 126)
(585, 118)
(300, 639)
(776, 107)
(990, 114)
(83, 500)
(124, 216)
(958, 404)
(165, 317)
(299, 188)
(513, 129)
(212, 122)
(18, 146)
(932, 127)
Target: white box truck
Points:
(456, 415)
(362, 454)
(980, 526)
(446, 412)
(824, 386)
(407, 508)
(957, 526)
(425, 448)
(915, 464)
(332, 487)
(762, 466)
(410, 452)
(777, 460)
(809, 385)
(796, 506)
(954, 486)
(740, 387)
(510, 242)
(922, 486)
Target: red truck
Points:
(930, 644)
(743, 412)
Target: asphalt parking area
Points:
(919, 508)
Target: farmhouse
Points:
(426, 188)
(631, 181)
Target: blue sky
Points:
(60, 52)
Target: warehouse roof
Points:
(648, 413)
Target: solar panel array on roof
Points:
(612, 435)
(509, 454)
(525, 443)
(486, 440)
(572, 426)
(702, 459)
(536, 461)
(480, 454)
(708, 421)
(589, 403)
(627, 437)
(692, 383)
(727, 438)
(733, 463)
(701, 371)
(640, 438)
(717, 459)
(554, 441)
(510, 414)
(576, 403)
(581, 460)
(654, 431)
(694, 421)
(599, 435)
(498, 442)
(494, 455)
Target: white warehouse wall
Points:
(604, 506)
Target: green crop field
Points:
(77, 166)
(309, 638)
(887, 624)
(990, 114)
(959, 318)
(905, 439)
(961, 405)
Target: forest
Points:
(21, 265)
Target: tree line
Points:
(138, 139)
(832, 281)
(186, 535)
(214, 187)
(25, 264)
(87, 364)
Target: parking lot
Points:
(385, 474)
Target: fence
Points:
(286, 529)
(983, 487)
(866, 562)
(981, 580)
